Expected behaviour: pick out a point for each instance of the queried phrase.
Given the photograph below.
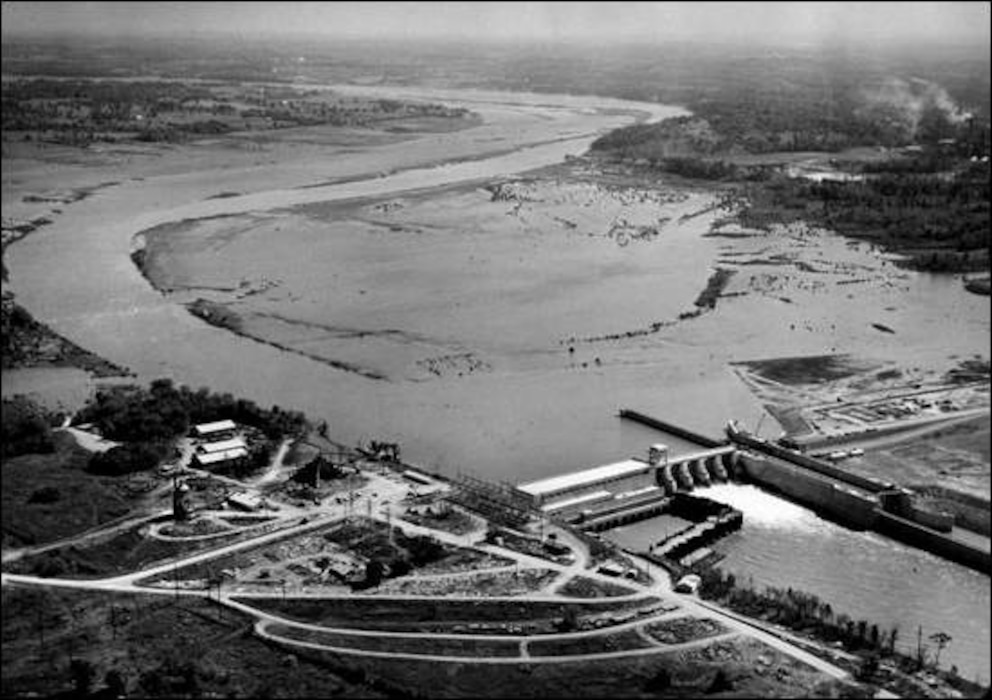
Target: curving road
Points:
(687, 606)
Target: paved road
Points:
(103, 531)
(380, 498)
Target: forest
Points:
(926, 198)
(939, 221)
(78, 112)
(165, 412)
(148, 421)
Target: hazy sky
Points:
(621, 21)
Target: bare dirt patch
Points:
(497, 583)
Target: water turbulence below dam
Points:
(862, 574)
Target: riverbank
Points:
(30, 344)
(863, 648)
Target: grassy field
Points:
(804, 370)
(585, 587)
(624, 640)
(163, 647)
(665, 674)
(126, 552)
(404, 645)
(404, 615)
(684, 629)
(84, 500)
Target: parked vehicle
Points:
(688, 584)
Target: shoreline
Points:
(39, 347)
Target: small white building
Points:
(218, 430)
(222, 446)
(206, 459)
(627, 475)
(245, 501)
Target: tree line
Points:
(940, 220)
(806, 612)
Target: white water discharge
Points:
(863, 574)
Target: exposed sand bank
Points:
(466, 303)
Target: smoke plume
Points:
(905, 102)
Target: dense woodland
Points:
(941, 222)
(928, 200)
(165, 412)
(147, 422)
(79, 112)
(26, 428)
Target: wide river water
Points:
(76, 275)
(861, 574)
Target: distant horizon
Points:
(311, 40)
(824, 24)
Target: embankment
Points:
(933, 541)
(666, 427)
(857, 509)
(819, 466)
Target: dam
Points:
(616, 494)
(609, 495)
(800, 527)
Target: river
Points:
(862, 574)
(76, 275)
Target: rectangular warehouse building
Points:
(619, 476)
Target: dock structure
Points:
(666, 427)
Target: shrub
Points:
(48, 494)
(129, 458)
(25, 428)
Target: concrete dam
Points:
(613, 494)
(603, 497)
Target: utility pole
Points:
(220, 582)
(41, 627)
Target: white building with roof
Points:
(559, 490)
(206, 459)
(245, 501)
(217, 430)
(222, 446)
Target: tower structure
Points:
(180, 503)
